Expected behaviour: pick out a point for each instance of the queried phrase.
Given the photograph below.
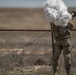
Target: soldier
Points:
(62, 37)
(57, 13)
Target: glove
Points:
(70, 25)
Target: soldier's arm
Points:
(70, 25)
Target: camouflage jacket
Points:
(62, 32)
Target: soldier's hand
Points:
(70, 25)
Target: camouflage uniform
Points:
(62, 42)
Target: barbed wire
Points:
(32, 31)
(44, 30)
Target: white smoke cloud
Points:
(56, 11)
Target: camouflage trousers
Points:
(64, 45)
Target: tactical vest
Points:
(61, 32)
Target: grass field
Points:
(35, 59)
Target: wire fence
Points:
(28, 52)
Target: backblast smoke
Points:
(56, 12)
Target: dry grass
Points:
(18, 59)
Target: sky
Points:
(30, 3)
